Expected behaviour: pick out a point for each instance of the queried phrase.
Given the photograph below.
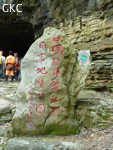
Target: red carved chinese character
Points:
(30, 115)
(30, 108)
(54, 61)
(58, 61)
(57, 108)
(30, 96)
(30, 120)
(58, 48)
(40, 95)
(56, 72)
(42, 45)
(57, 39)
(55, 85)
(31, 102)
(31, 89)
(41, 57)
(54, 100)
(40, 108)
(30, 126)
(41, 82)
(40, 70)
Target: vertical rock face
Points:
(94, 30)
(52, 76)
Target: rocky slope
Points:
(89, 25)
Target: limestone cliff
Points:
(88, 24)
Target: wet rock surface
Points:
(92, 138)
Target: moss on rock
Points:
(61, 130)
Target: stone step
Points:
(39, 144)
(6, 110)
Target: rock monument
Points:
(53, 73)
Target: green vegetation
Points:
(61, 130)
(102, 106)
(15, 135)
(79, 121)
(111, 89)
(7, 138)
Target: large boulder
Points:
(53, 73)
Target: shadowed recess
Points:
(16, 37)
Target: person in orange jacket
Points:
(10, 62)
(17, 66)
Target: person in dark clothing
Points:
(19, 75)
(16, 66)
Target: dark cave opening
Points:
(16, 37)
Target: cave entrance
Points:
(16, 37)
